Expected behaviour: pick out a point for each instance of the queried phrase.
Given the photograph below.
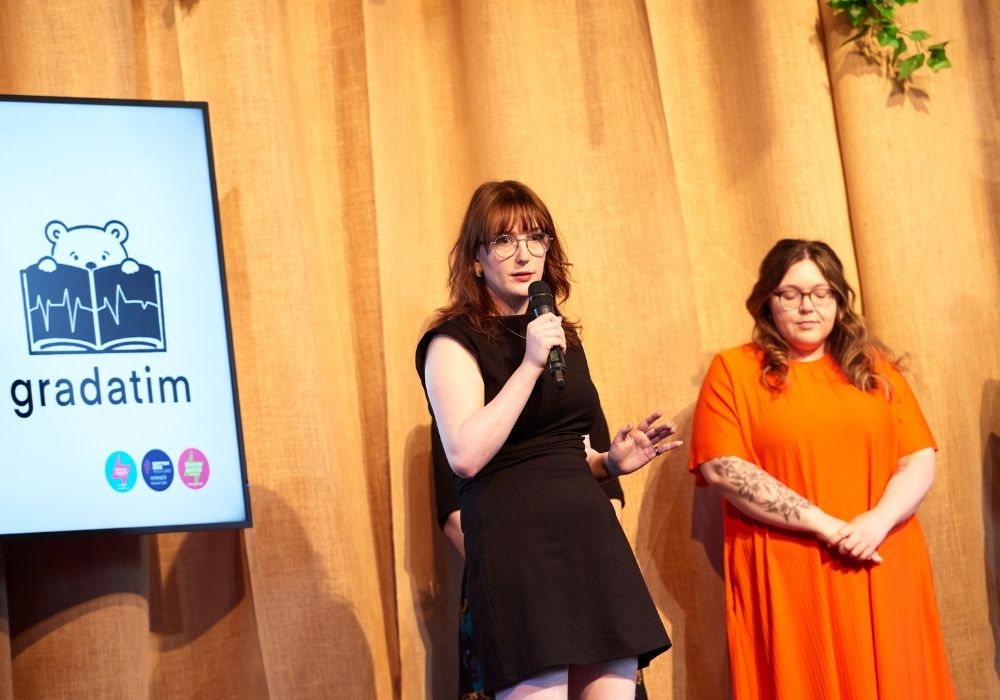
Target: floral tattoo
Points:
(757, 486)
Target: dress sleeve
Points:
(613, 488)
(716, 427)
(912, 430)
(453, 329)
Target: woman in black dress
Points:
(558, 604)
(470, 668)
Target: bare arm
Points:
(471, 430)
(903, 493)
(908, 486)
(598, 462)
(759, 495)
(452, 529)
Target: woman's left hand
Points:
(636, 445)
(861, 537)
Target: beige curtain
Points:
(673, 141)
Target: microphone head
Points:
(540, 295)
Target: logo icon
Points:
(89, 296)
(119, 468)
(157, 470)
(193, 466)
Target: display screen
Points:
(119, 408)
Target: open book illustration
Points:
(74, 309)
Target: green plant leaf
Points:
(887, 36)
(909, 65)
(900, 48)
(938, 59)
(879, 16)
(939, 65)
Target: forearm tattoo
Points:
(757, 486)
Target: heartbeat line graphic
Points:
(72, 309)
(120, 299)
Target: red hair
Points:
(496, 208)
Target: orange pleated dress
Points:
(802, 622)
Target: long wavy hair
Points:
(850, 343)
(495, 208)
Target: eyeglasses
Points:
(505, 245)
(792, 297)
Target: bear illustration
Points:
(88, 247)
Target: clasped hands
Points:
(636, 445)
(858, 539)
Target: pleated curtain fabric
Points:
(674, 143)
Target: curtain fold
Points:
(918, 182)
(6, 680)
(674, 144)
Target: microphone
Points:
(540, 302)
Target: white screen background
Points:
(148, 167)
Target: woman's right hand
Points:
(829, 531)
(543, 334)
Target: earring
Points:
(479, 271)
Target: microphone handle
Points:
(557, 365)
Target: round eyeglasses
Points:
(792, 297)
(505, 245)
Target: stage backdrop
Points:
(674, 143)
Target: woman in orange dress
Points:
(817, 444)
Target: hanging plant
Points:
(884, 42)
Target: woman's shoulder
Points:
(885, 363)
(735, 366)
(894, 370)
(457, 328)
(450, 326)
(741, 358)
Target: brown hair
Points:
(495, 208)
(849, 343)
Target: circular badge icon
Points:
(119, 468)
(193, 468)
(157, 470)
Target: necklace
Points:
(511, 330)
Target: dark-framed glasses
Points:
(505, 245)
(792, 297)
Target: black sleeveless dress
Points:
(551, 577)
